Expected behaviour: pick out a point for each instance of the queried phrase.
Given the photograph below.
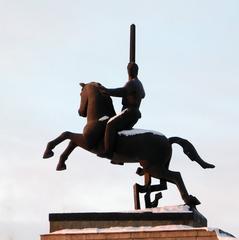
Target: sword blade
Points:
(132, 44)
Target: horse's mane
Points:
(98, 85)
(107, 99)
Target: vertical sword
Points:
(132, 44)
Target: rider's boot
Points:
(116, 163)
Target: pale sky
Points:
(188, 56)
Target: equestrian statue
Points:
(112, 136)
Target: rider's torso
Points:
(134, 94)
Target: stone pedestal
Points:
(153, 217)
(138, 233)
(168, 223)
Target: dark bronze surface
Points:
(152, 151)
(132, 44)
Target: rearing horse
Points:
(151, 149)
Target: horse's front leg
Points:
(52, 144)
(64, 156)
(77, 140)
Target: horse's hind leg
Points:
(176, 178)
(52, 144)
(61, 164)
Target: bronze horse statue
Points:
(151, 149)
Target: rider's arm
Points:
(116, 92)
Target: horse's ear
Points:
(82, 85)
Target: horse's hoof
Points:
(192, 201)
(48, 154)
(208, 165)
(61, 167)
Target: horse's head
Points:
(84, 101)
(92, 98)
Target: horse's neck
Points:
(98, 107)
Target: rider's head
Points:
(132, 70)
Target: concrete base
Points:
(150, 218)
(143, 233)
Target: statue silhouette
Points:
(151, 149)
(111, 136)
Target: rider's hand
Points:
(103, 90)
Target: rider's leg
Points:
(125, 120)
(109, 138)
(113, 126)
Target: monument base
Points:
(175, 215)
(171, 232)
(169, 223)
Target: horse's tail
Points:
(190, 151)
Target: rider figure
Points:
(132, 94)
